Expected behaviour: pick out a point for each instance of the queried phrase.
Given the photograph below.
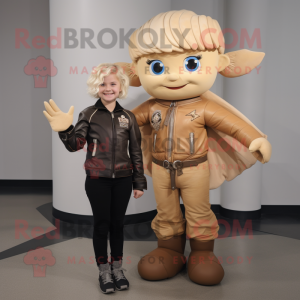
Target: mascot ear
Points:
(242, 62)
(131, 71)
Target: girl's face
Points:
(110, 88)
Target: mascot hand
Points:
(263, 146)
(59, 121)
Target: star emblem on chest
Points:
(193, 115)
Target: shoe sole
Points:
(122, 289)
(108, 291)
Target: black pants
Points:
(109, 199)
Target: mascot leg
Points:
(201, 225)
(169, 226)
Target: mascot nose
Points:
(173, 76)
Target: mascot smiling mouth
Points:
(176, 87)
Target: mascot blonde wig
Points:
(185, 30)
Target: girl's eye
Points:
(156, 67)
(192, 63)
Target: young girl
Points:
(113, 165)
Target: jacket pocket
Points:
(95, 147)
(154, 141)
(128, 149)
(191, 142)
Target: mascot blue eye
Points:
(156, 67)
(191, 63)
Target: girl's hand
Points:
(59, 121)
(137, 194)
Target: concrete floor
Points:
(264, 265)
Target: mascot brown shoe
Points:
(165, 261)
(203, 266)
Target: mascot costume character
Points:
(192, 139)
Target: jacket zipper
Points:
(113, 143)
(171, 129)
(95, 147)
(191, 142)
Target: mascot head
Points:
(178, 54)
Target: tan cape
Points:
(239, 156)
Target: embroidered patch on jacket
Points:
(156, 119)
(123, 121)
(193, 115)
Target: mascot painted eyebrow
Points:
(197, 139)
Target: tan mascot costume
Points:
(192, 139)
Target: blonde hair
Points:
(176, 30)
(102, 70)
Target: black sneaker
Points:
(105, 279)
(118, 276)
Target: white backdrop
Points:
(29, 152)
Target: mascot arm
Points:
(223, 120)
(141, 113)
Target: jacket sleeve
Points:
(216, 116)
(139, 180)
(141, 113)
(74, 138)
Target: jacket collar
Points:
(100, 105)
(177, 102)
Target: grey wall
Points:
(281, 178)
(25, 135)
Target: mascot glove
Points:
(263, 146)
(59, 121)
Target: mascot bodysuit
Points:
(192, 139)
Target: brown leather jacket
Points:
(114, 143)
(179, 127)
